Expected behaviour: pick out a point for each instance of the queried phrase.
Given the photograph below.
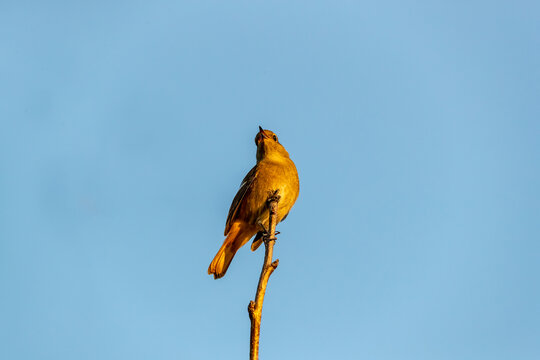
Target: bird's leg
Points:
(264, 233)
(272, 196)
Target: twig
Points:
(255, 307)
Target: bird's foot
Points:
(265, 235)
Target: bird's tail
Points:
(234, 241)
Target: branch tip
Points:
(273, 196)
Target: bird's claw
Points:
(266, 239)
(265, 235)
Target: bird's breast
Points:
(272, 176)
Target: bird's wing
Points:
(245, 187)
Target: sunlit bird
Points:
(248, 214)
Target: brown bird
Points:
(274, 171)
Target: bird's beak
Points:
(261, 131)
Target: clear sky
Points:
(127, 127)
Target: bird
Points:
(249, 215)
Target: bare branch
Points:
(255, 307)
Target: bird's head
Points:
(268, 145)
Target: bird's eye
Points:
(275, 138)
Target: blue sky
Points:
(126, 128)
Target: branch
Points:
(255, 307)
